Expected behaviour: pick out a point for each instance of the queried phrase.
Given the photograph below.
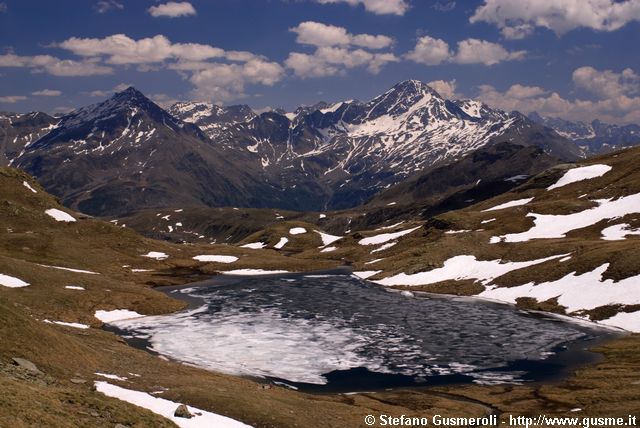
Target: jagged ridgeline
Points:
(126, 153)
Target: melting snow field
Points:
(116, 315)
(385, 237)
(254, 245)
(618, 232)
(548, 226)
(581, 173)
(11, 282)
(253, 272)
(71, 270)
(297, 230)
(67, 324)
(28, 186)
(462, 267)
(60, 215)
(510, 204)
(328, 239)
(281, 243)
(217, 259)
(156, 255)
(166, 408)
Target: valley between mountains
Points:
(416, 193)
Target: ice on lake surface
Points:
(302, 328)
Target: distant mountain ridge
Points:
(127, 153)
(594, 137)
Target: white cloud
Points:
(446, 88)
(10, 99)
(104, 6)
(47, 93)
(223, 82)
(121, 49)
(613, 104)
(54, 66)
(379, 7)
(102, 93)
(607, 83)
(432, 51)
(517, 18)
(474, 51)
(172, 10)
(329, 61)
(322, 35)
(429, 51)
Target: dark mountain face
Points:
(594, 137)
(18, 131)
(127, 153)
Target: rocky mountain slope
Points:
(594, 137)
(127, 154)
(18, 131)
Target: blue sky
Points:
(577, 59)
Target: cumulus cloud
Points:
(517, 19)
(321, 35)
(54, 66)
(47, 93)
(172, 10)
(446, 88)
(378, 7)
(11, 99)
(121, 49)
(330, 61)
(429, 51)
(432, 51)
(223, 82)
(607, 83)
(105, 93)
(612, 102)
(104, 6)
(474, 51)
(337, 50)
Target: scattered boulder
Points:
(120, 426)
(27, 365)
(183, 412)
(77, 381)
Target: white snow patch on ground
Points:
(254, 245)
(214, 258)
(11, 282)
(156, 255)
(393, 226)
(67, 324)
(141, 270)
(618, 232)
(516, 203)
(327, 239)
(59, 215)
(487, 221)
(556, 226)
(385, 237)
(455, 232)
(373, 261)
(576, 292)
(281, 243)
(297, 230)
(74, 287)
(71, 270)
(384, 247)
(253, 272)
(28, 186)
(166, 408)
(111, 376)
(462, 267)
(322, 216)
(364, 274)
(328, 249)
(116, 315)
(579, 174)
(626, 320)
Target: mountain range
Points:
(127, 153)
